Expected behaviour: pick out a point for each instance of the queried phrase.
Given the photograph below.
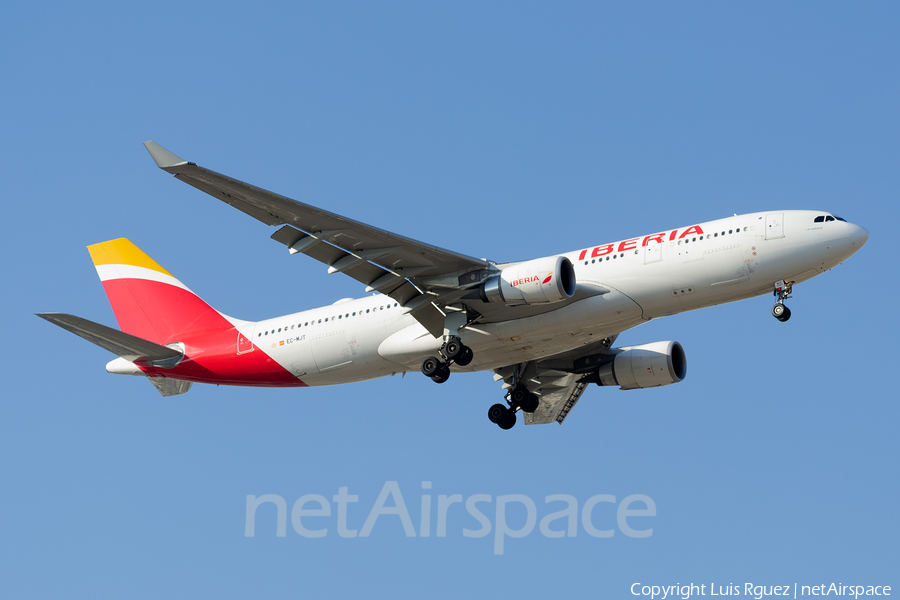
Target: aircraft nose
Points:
(859, 236)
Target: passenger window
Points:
(367, 311)
(592, 262)
(715, 235)
(259, 334)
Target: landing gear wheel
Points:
(431, 366)
(465, 357)
(453, 349)
(522, 398)
(781, 312)
(441, 376)
(518, 396)
(782, 292)
(509, 421)
(531, 403)
(497, 413)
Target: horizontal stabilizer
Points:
(127, 346)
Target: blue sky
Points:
(503, 130)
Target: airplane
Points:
(545, 327)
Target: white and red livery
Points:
(546, 326)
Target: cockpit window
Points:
(829, 218)
(840, 219)
(819, 219)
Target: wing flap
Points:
(170, 387)
(558, 380)
(556, 402)
(390, 283)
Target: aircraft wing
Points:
(421, 277)
(557, 380)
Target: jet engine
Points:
(645, 366)
(539, 281)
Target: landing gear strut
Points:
(517, 399)
(782, 291)
(453, 351)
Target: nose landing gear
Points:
(782, 291)
(453, 351)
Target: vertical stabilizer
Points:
(147, 300)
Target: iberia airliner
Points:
(546, 326)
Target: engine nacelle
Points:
(645, 366)
(538, 281)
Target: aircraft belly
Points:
(528, 338)
(567, 328)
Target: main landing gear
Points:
(783, 291)
(518, 399)
(453, 351)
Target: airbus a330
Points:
(545, 327)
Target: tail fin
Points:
(147, 300)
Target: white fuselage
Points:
(642, 278)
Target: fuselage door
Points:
(774, 226)
(244, 340)
(652, 252)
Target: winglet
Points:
(163, 158)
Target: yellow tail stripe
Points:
(122, 252)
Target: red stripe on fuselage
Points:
(165, 313)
